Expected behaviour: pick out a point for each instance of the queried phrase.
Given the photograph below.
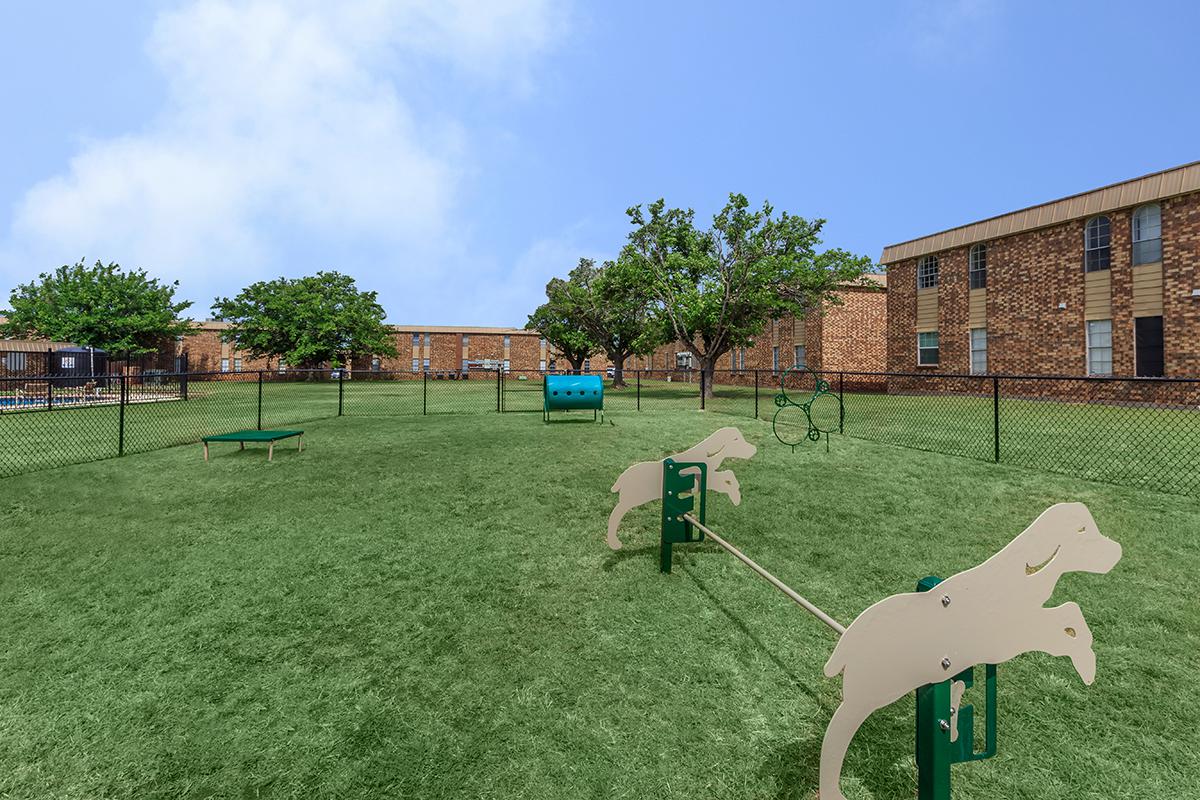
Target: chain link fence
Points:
(1142, 432)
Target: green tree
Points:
(614, 304)
(717, 289)
(307, 322)
(560, 322)
(99, 306)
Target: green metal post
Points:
(679, 498)
(933, 731)
(639, 391)
(499, 388)
(341, 389)
(425, 393)
(701, 388)
(260, 377)
(933, 741)
(935, 751)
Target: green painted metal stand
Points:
(935, 751)
(679, 497)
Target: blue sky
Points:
(454, 155)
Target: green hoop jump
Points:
(787, 408)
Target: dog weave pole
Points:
(791, 593)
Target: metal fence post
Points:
(260, 379)
(425, 392)
(756, 394)
(49, 393)
(841, 402)
(341, 389)
(639, 391)
(121, 399)
(702, 388)
(499, 386)
(183, 378)
(996, 418)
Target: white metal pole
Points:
(771, 579)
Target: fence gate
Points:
(521, 391)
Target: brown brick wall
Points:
(1029, 275)
(851, 336)
(1181, 274)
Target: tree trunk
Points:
(707, 370)
(618, 362)
(576, 364)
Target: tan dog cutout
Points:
(642, 482)
(985, 615)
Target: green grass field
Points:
(425, 607)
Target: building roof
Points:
(1146, 189)
(870, 280)
(32, 345)
(215, 325)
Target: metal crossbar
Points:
(791, 593)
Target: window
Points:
(465, 365)
(466, 340)
(237, 365)
(542, 365)
(507, 342)
(416, 364)
(775, 359)
(1099, 346)
(542, 342)
(1148, 336)
(927, 349)
(282, 366)
(683, 361)
(506, 365)
(1096, 244)
(416, 340)
(425, 364)
(427, 337)
(587, 365)
(375, 365)
(68, 362)
(225, 365)
(801, 356)
(1147, 235)
(14, 362)
(927, 272)
(978, 270)
(979, 351)
(741, 354)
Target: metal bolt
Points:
(670, 494)
(945, 600)
(945, 663)
(944, 725)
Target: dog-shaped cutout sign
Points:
(642, 482)
(985, 615)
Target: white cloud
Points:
(280, 117)
(956, 29)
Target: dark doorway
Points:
(1148, 335)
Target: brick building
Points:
(1106, 282)
(850, 335)
(432, 348)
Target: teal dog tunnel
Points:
(572, 392)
